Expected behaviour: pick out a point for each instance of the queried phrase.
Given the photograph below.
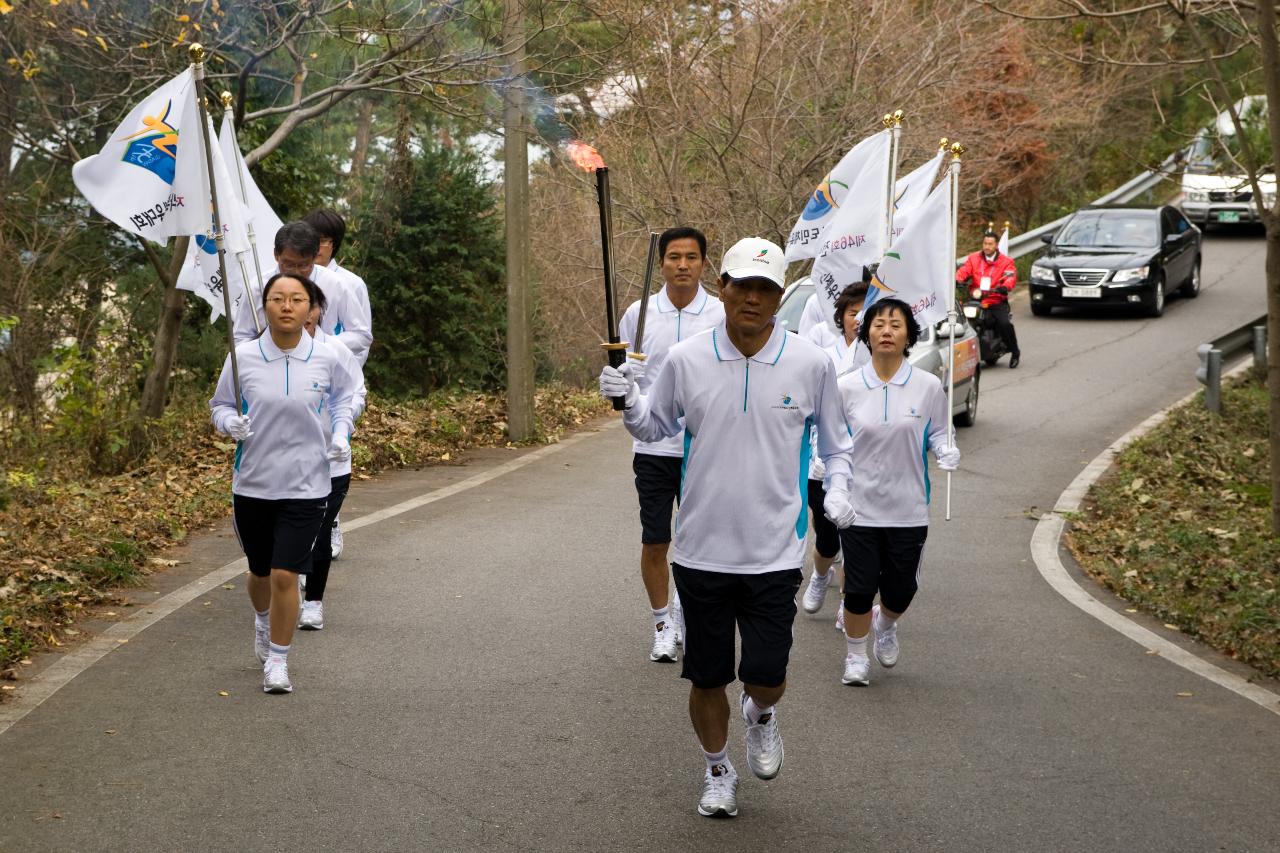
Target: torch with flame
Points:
(589, 160)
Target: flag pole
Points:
(253, 240)
(197, 52)
(957, 150)
(892, 121)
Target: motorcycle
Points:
(990, 345)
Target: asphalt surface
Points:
(482, 682)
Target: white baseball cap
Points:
(755, 257)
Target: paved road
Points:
(482, 683)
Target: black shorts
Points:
(658, 486)
(824, 529)
(762, 606)
(278, 534)
(883, 559)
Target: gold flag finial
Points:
(942, 143)
(991, 226)
(898, 115)
(887, 120)
(196, 52)
(957, 150)
(1006, 225)
(227, 100)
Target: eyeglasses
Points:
(295, 301)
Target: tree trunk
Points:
(360, 154)
(520, 416)
(1270, 55)
(155, 391)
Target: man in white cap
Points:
(747, 396)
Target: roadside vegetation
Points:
(70, 536)
(1181, 527)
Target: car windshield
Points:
(1111, 229)
(793, 307)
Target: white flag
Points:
(914, 269)
(856, 234)
(200, 273)
(264, 220)
(1003, 246)
(911, 191)
(828, 199)
(143, 179)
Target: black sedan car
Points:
(1118, 255)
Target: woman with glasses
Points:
(895, 414)
(295, 417)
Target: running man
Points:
(746, 396)
(681, 309)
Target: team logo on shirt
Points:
(786, 403)
(912, 413)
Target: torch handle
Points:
(617, 357)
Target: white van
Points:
(1214, 190)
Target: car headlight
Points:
(1197, 195)
(1136, 274)
(1039, 273)
(971, 311)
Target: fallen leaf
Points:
(1171, 626)
(1184, 695)
(223, 693)
(7, 687)
(110, 731)
(1152, 652)
(1132, 573)
(228, 586)
(158, 561)
(207, 603)
(123, 641)
(1131, 610)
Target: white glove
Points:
(339, 448)
(948, 458)
(836, 507)
(638, 367)
(817, 471)
(237, 427)
(619, 382)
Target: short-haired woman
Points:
(847, 353)
(295, 417)
(896, 413)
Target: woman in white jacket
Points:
(296, 416)
(896, 413)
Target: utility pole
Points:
(520, 417)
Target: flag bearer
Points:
(895, 413)
(681, 309)
(746, 395)
(312, 617)
(286, 436)
(332, 229)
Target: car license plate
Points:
(1228, 216)
(1087, 292)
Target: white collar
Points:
(768, 354)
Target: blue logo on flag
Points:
(822, 201)
(155, 147)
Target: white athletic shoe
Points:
(664, 642)
(840, 618)
(335, 539)
(816, 592)
(719, 792)
(261, 641)
(677, 617)
(857, 670)
(764, 743)
(275, 676)
(311, 616)
(886, 644)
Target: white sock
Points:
(883, 622)
(660, 616)
(721, 758)
(818, 574)
(280, 652)
(755, 712)
(261, 618)
(857, 645)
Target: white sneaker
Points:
(664, 642)
(816, 592)
(719, 792)
(677, 617)
(857, 670)
(261, 641)
(275, 676)
(764, 743)
(840, 619)
(886, 644)
(311, 616)
(335, 539)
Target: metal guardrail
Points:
(1028, 242)
(1212, 355)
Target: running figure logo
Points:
(155, 147)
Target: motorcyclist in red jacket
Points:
(996, 275)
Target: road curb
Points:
(1046, 543)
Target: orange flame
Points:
(584, 156)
